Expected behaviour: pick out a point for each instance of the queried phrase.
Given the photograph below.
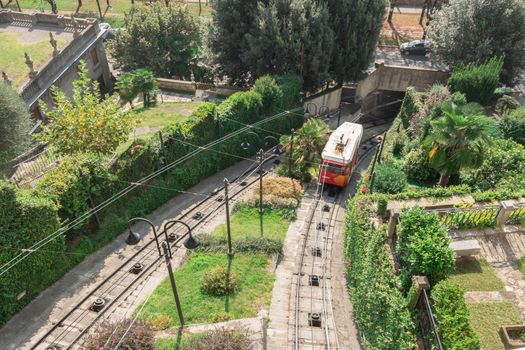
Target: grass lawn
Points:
(245, 222)
(90, 6)
(157, 117)
(476, 275)
(255, 285)
(166, 113)
(12, 59)
(486, 318)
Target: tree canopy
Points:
(466, 31)
(161, 38)
(15, 123)
(85, 123)
(317, 40)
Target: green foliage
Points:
(504, 159)
(65, 186)
(291, 85)
(380, 310)
(308, 145)
(161, 38)
(477, 82)
(417, 165)
(218, 281)
(135, 335)
(86, 123)
(27, 219)
(423, 246)
(220, 339)
(15, 123)
(411, 106)
(512, 124)
(291, 37)
(452, 318)
(232, 21)
(506, 104)
(457, 141)
(131, 84)
(466, 31)
(356, 25)
(389, 179)
(502, 91)
(271, 94)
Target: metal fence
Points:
(517, 216)
(35, 166)
(474, 217)
(426, 323)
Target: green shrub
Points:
(292, 87)
(458, 98)
(477, 82)
(218, 281)
(506, 104)
(25, 220)
(423, 246)
(380, 310)
(504, 159)
(160, 322)
(502, 91)
(512, 125)
(271, 94)
(411, 106)
(389, 179)
(417, 165)
(135, 335)
(452, 318)
(221, 339)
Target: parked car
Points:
(416, 47)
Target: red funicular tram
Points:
(340, 154)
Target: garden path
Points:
(501, 249)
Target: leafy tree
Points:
(125, 87)
(271, 94)
(232, 20)
(86, 122)
(356, 24)
(15, 123)
(139, 81)
(477, 82)
(292, 37)
(466, 31)
(161, 38)
(309, 142)
(457, 141)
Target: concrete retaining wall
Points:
(330, 98)
(183, 85)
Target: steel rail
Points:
(133, 258)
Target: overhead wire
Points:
(36, 246)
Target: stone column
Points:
(392, 223)
(506, 208)
(418, 284)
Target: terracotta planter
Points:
(510, 341)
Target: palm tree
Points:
(309, 142)
(456, 141)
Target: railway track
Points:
(68, 331)
(314, 326)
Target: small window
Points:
(94, 57)
(334, 169)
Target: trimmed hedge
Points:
(452, 318)
(380, 310)
(25, 220)
(423, 247)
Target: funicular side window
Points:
(335, 169)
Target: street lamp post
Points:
(260, 155)
(191, 242)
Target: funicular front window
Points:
(334, 169)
